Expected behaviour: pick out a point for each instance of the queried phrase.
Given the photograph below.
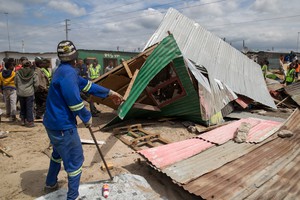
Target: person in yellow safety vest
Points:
(47, 71)
(264, 68)
(94, 70)
(290, 75)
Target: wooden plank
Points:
(127, 69)
(5, 152)
(282, 101)
(84, 141)
(130, 85)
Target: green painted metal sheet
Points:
(186, 107)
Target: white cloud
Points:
(68, 7)
(267, 5)
(11, 7)
(129, 24)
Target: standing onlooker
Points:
(44, 74)
(109, 67)
(8, 86)
(63, 106)
(264, 68)
(93, 73)
(26, 82)
(82, 68)
(297, 69)
(94, 70)
(290, 74)
(19, 66)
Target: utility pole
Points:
(298, 43)
(23, 49)
(7, 30)
(67, 29)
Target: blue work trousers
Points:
(67, 148)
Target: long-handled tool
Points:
(101, 155)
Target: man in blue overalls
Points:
(62, 107)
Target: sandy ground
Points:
(23, 174)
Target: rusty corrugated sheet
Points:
(242, 114)
(189, 169)
(240, 178)
(271, 171)
(169, 154)
(293, 122)
(294, 91)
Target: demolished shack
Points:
(196, 80)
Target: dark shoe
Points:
(30, 124)
(49, 189)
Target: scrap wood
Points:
(282, 101)
(140, 136)
(286, 105)
(201, 129)
(130, 85)
(84, 141)
(127, 68)
(5, 152)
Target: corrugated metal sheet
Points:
(221, 60)
(294, 91)
(241, 177)
(269, 170)
(207, 96)
(187, 107)
(263, 130)
(241, 114)
(168, 154)
(189, 169)
(225, 133)
(293, 122)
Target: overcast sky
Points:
(128, 24)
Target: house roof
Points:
(222, 61)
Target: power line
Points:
(130, 18)
(256, 20)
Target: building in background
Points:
(104, 57)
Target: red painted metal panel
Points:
(225, 133)
(165, 155)
(262, 130)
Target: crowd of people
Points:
(289, 65)
(25, 84)
(57, 98)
